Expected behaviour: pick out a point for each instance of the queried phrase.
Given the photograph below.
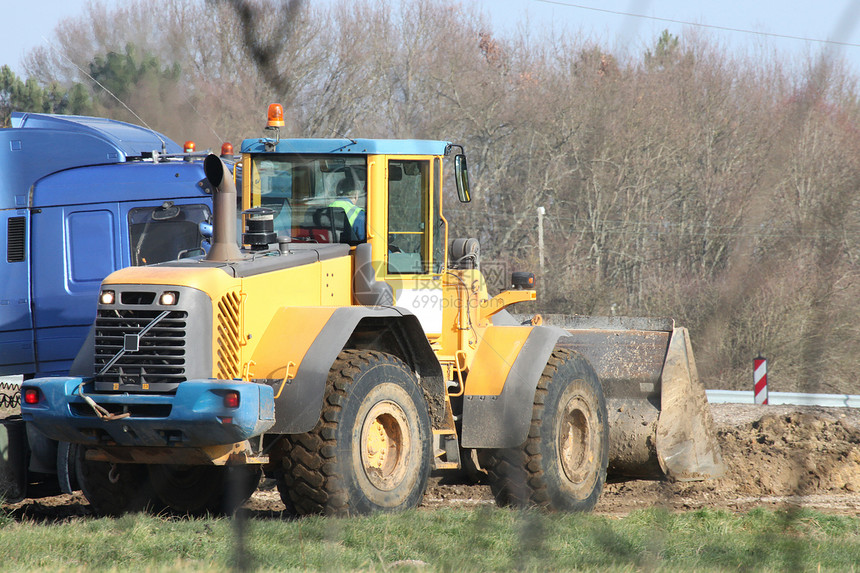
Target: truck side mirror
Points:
(461, 175)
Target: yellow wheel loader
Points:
(349, 347)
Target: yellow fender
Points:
(501, 384)
(301, 344)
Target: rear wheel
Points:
(113, 489)
(204, 489)
(562, 464)
(370, 451)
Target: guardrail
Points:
(783, 398)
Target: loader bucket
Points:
(660, 425)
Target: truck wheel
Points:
(204, 489)
(113, 489)
(371, 449)
(562, 464)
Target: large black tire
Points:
(113, 489)
(562, 464)
(197, 490)
(370, 450)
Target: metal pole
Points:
(760, 380)
(540, 212)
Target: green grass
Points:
(486, 539)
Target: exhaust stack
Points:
(225, 247)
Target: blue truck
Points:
(79, 198)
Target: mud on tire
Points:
(370, 450)
(562, 464)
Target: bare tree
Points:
(686, 180)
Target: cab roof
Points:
(128, 140)
(39, 144)
(348, 146)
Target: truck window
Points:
(408, 206)
(91, 252)
(316, 199)
(166, 233)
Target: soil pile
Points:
(802, 453)
(774, 455)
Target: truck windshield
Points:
(314, 198)
(166, 233)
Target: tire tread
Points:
(311, 480)
(517, 475)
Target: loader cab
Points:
(384, 192)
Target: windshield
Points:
(314, 198)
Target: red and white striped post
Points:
(760, 380)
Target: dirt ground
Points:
(777, 456)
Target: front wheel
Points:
(371, 449)
(562, 464)
(204, 489)
(113, 489)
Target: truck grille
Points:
(161, 357)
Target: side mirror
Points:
(461, 175)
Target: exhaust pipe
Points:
(225, 247)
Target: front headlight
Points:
(168, 298)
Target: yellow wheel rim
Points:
(385, 445)
(575, 441)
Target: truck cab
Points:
(79, 198)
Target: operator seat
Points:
(332, 220)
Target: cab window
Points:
(166, 233)
(313, 198)
(408, 213)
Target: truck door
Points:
(73, 249)
(415, 232)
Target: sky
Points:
(777, 23)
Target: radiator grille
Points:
(229, 331)
(162, 350)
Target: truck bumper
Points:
(195, 416)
